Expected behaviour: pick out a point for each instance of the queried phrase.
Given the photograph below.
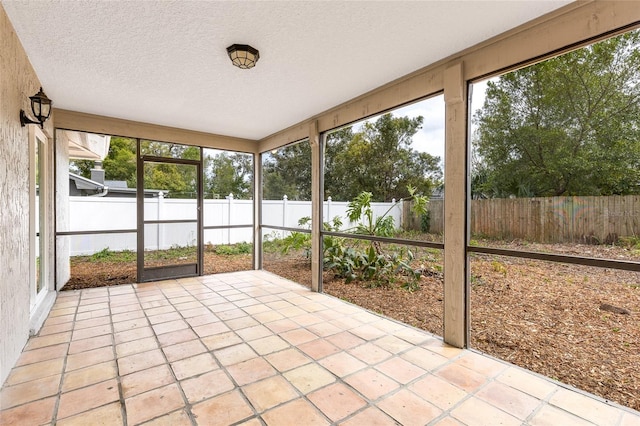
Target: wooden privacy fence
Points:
(593, 220)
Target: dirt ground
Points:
(576, 324)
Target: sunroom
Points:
(343, 212)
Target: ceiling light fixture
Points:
(41, 108)
(243, 56)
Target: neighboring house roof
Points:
(110, 187)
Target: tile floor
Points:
(252, 348)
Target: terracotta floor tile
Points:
(134, 306)
(35, 371)
(291, 412)
(88, 307)
(342, 364)
(85, 333)
(441, 348)
(34, 413)
(95, 322)
(136, 346)
(153, 403)
(253, 333)
(211, 329)
(240, 323)
(88, 358)
(630, 419)
(552, 416)
(582, 406)
(90, 344)
(409, 409)
(298, 336)
(269, 316)
(345, 340)
(318, 348)
(134, 334)
(166, 317)
(308, 319)
(174, 337)
(48, 340)
(527, 382)
(141, 361)
(106, 415)
(78, 401)
(194, 311)
(370, 353)
(225, 409)
(42, 354)
(400, 370)
(370, 417)
(206, 386)
(177, 418)
(194, 365)
(393, 344)
(372, 383)
(59, 320)
(448, 421)
(324, 329)
(438, 392)
(336, 401)
(481, 364)
(219, 341)
(167, 327)
(269, 344)
(462, 377)
(474, 412)
(309, 377)
(160, 310)
(251, 371)
(11, 396)
(512, 401)
(413, 336)
(424, 358)
(183, 350)
(146, 380)
(89, 375)
(203, 319)
(58, 328)
(234, 354)
(130, 324)
(270, 392)
(282, 325)
(287, 359)
(92, 314)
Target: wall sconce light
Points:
(243, 56)
(41, 108)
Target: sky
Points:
(430, 138)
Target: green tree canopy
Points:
(566, 126)
(379, 159)
(227, 173)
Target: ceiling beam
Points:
(83, 122)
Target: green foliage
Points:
(227, 173)
(425, 222)
(378, 159)
(106, 255)
(233, 249)
(565, 126)
(287, 171)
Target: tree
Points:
(379, 159)
(226, 174)
(287, 171)
(566, 126)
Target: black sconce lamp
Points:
(41, 108)
(243, 56)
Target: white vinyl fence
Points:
(113, 213)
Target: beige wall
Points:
(18, 81)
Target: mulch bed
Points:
(575, 324)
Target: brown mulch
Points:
(576, 324)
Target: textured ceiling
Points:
(165, 62)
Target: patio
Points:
(253, 348)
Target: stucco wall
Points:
(63, 268)
(18, 81)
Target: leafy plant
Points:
(233, 249)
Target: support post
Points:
(257, 211)
(316, 207)
(456, 315)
